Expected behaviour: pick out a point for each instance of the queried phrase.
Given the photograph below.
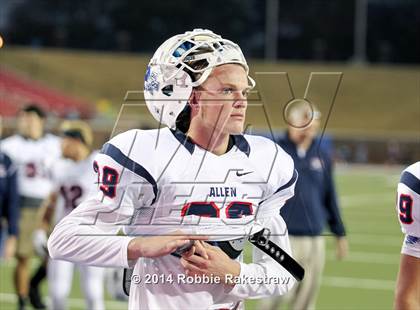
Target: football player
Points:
(407, 295)
(198, 176)
(9, 201)
(30, 150)
(73, 179)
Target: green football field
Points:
(364, 280)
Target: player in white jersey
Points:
(201, 176)
(73, 179)
(30, 150)
(407, 294)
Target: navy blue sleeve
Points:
(13, 201)
(333, 212)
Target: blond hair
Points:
(80, 126)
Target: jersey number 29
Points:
(108, 179)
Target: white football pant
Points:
(60, 276)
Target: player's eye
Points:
(245, 93)
(227, 91)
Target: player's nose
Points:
(240, 100)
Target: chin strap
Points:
(278, 254)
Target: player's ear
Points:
(193, 102)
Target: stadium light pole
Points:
(360, 31)
(271, 28)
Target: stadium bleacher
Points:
(17, 90)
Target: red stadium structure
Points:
(16, 91)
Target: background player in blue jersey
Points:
(200, 175)
(9, 202)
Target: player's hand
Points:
(159, 245)
(39, 240)
(218, 264)
(197, 249)
(10, 248)
(342, 248)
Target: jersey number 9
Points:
(405, 205)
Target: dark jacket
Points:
(9, 198)
(315, 201)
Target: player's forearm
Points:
(88, 245)
(407, 303)
(82, 237)
(46, 212)
(408, 287)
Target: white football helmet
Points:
(172, 74)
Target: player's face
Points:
(223, 99)
(308, 133)
(30, 125)
(69, 147)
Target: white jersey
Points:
(73, 181)
(32, 158)
(408, 208)
(155, 181)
